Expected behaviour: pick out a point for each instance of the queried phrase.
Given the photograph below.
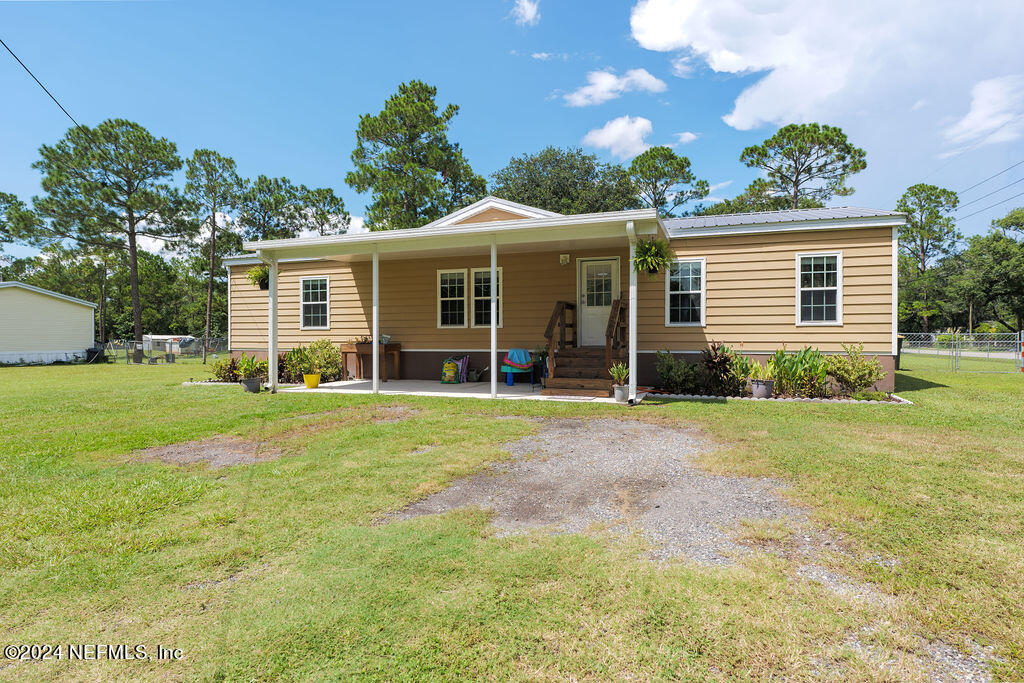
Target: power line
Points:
(29, 72)
(990, 207)
(973, 147)
(1020, 180)
(982, 182)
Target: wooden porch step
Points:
(591, 372)
(592, 393)
(581, 352)
(579, 383)
(575, 362)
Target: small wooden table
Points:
(360, 350)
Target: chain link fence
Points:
(970, 351)
(155, 350)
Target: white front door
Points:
(598, 287)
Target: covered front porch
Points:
(429, 290)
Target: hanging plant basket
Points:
(259, 276)
(651, 256)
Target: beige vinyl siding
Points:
(531, 283)
(751, 293)
(488, 215)
(751, 296)
(34, 322)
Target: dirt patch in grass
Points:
(576, 476)
(217, 451)
(289, 435)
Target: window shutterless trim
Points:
(473, 297)
(303, 303)
(838, 322)
(703, 292)
(465, 297)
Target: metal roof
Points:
(766, 217)
(40, 290)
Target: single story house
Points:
(755, 281)
(40, 326)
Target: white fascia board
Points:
(231, 261)
(505, 232)
(793, 226)
(46, 292)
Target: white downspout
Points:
(376, 321)
(631, 235)
(271, 321)
(494, 317)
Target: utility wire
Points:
(970, 148)
(982, 182)
(45, 89)
(990, 207)
(1021, 180)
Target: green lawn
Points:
(280, 568)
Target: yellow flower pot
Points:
(312, 381)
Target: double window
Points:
(464, 297)
(819, 298)
(684, 293)
(315, 303)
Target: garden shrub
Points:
(327, 358)
(225, 370)
(804, 373)
(870, 396)
(854, 372)
(720, 378)
(677, 376)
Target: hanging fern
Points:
(651, 256)
(259, 276)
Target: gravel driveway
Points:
(617, 474)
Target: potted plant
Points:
(620, 375)
(540, 361)
(303, 361)
(251, 373)
(651, 256)
(762, 381)
(259, 276)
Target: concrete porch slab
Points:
(422, 387)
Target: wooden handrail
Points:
(558, 323)
(615, 332)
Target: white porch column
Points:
(272, 324)
(632, 311)
(376, 321)
(494, 317)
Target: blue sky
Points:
(933, 91)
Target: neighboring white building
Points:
(40, 326)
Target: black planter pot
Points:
(251, 385)
(264, 284)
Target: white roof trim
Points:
(491, 203)
(791, 226)
(46, 292)
(495, 228)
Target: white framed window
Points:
(482, 297)
(451, 298)
(315, 298)
(819, 288)
(685, 290)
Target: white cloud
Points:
(685, 138)
(606, 85)
(356, 225)
(920, 104)
(624, 137)
(719, 186)
(996, 113)
(824, 60)
(526, 12)
(682, 66)
(547, 56)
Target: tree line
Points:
(107, 188)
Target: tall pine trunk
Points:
(133, 278)
(209, 284)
